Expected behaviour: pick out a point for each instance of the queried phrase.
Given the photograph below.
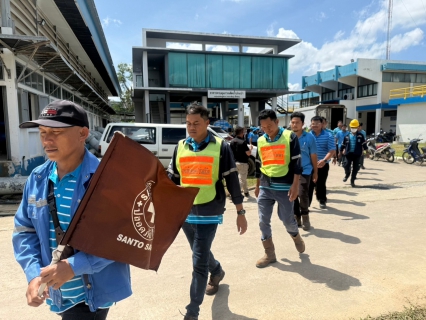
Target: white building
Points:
(49, 50)
(364, 86)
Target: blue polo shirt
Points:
(307, 147)
(254, 137)
(336, 131)
(325, 143)
(340, 136)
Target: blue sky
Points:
(332, 31)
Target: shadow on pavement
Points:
(333, 279)
(220, 307)
(374, 169)
(379, 186)
(321, 233)
(363, 172)
(373, 179)
(351, 202)
(348, 193)
(347, 214)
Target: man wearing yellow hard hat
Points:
(352, 148)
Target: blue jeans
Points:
(200, 238)
(265, 202)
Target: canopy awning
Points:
(57, 63)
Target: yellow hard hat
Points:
(354, 123)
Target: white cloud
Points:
(366, 40)
(196, 16)
(107, 21)
(294, 86)
(185, 46)
(322, 16)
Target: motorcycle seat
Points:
(424, 149)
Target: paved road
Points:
(365, 255)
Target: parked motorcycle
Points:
(383, 136)
(383, 151)
(412, 152)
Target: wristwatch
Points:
(241, 212)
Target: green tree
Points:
(125, 79)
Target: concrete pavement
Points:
(365, 255)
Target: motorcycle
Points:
(412, 152)
(383, 136)
(383, 151)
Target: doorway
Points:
(371, 123)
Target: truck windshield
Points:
(142, 135)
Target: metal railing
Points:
(417, 91)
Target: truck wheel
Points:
(252, 166)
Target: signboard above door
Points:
(226, 94)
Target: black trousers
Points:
(81, 311)
(320, 185)
(301, 204)
(354, 162)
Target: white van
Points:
(160, 139)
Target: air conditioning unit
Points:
(348, 96)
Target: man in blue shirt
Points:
(308, 150)
(352, 147)
(326, 150)
(364, 134)
(338, 128)
(253, 137)
(81, 286)
(340, 136)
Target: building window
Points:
(67, 95)
(33, 80)
(139, 82)
(329, 95)
(391, 113)
(359, 115)
(367, 90)
(52, 89)
(404, 77)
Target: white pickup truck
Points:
(159, 138)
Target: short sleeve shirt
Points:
(307, 148)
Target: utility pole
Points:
(388, 45)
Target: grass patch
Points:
(399, 149)
(410, 313)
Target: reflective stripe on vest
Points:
(199, 169)
(275, 156)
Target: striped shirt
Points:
(325, 143)
(73, 290)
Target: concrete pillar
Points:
(240, 112)
(274, 103)
(145, 83)
(13, 133)
(146, 110)
(224, 107)
(204, 101)
(378, 120)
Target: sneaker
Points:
(353, 184)
(345, 179)
(213, 285)
(189, 317)
(322, 205)
(246, 194)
